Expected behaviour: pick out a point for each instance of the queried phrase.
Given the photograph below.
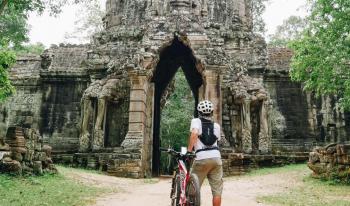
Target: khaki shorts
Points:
(212, 169)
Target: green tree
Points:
(176, 117)
(89, 21)
(291, 29)
(37, 49)
(258, 8)
(322, 56)
(7, 59)
(14, 31)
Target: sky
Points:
(52, 30)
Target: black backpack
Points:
(208, 137)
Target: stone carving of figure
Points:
(99, 130)
(84, 140)
(246, 127)
(264, 140)
(196, 6)
(204, 8)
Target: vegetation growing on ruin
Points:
(176, 117)
(322, 54)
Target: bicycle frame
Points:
(185, 177)
(183, 172)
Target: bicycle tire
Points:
(175, 190)
(193, 193)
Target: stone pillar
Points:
(212, 91)
(85, 136)
(137, 110)
(246, 127)
(148, 137)
(264, 138)
(98, 142)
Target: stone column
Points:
(98, 142)
(84, 139)
(212, 91)
(137, 110)
(264, 138)
(246, 127)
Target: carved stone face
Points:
(180, 3)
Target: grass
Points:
(312, 192)
(49, 189)
(67, 169)
(287, 168)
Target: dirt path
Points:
(241, 191)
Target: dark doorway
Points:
(116, 126)
(171, 59)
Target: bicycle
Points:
(185, 189)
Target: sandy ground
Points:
(240, 191)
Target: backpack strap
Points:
(207, 149)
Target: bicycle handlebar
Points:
(178, 154)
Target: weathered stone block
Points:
(38, 167)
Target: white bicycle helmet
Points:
(205, 107)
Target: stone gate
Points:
(99, 105)
(145, 42)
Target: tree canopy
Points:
(14, 32)
(291, 29)
(258, 8)
(322, 54)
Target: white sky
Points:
(51, 30)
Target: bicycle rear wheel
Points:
(175, 191)
(193, 192)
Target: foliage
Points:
(291, 29)
(14, 31)
(258, 8)
(89, 21)
(53, 190)
(176, 117)
(7, 58)
(322, 55)
(37, 49)
(24, 6)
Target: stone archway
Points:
(172, 57)
(147, 87)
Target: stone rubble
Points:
(23, 152)
(331, 162)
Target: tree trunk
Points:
(3, 5)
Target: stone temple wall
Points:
(300, 121)
(49, 90)
(63, 80)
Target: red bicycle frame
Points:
(185, 177)
(183, 173)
